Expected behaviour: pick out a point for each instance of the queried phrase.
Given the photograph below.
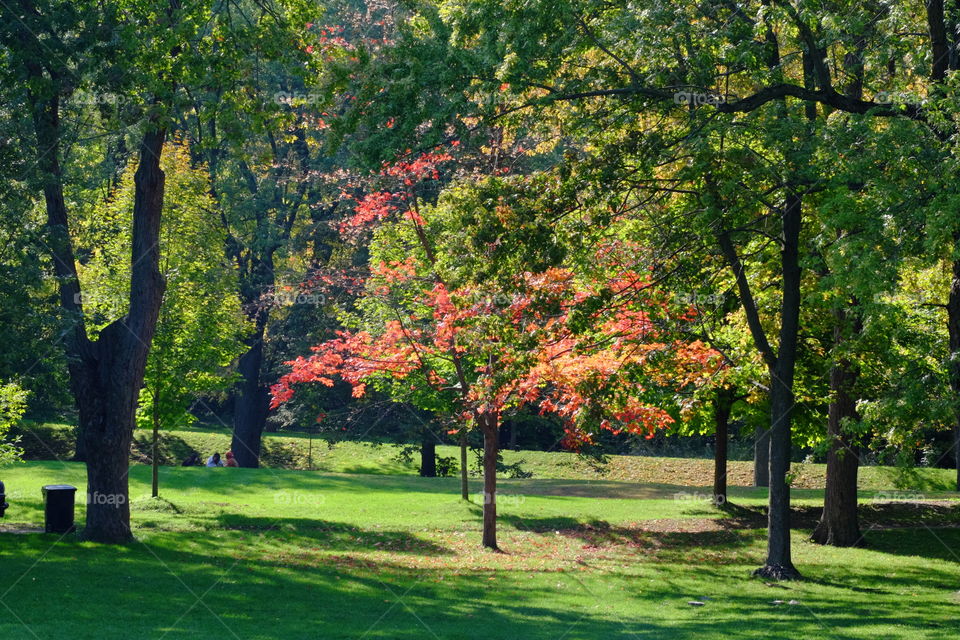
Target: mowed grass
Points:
(299, 451)
(240, 553)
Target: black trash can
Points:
(58, 513)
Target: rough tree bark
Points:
(105, 373)
(119, 360)
(251, 400)
(839, 525)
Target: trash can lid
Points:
(59, 487)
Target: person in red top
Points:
(231, 461)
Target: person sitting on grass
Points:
(193, 460)
(231, 461)
(214, 461)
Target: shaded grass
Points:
(279, 554)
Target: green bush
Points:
(13, 404)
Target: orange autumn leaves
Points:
(594, 350)
(525, 352)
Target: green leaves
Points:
(13, 404)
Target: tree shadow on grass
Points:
(600, 532)
(189, 586)
(934, 544)
(237, 482)
(329, 535)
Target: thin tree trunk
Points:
(761, 458)
(46, 120)
(464, 478)
(309, 451)
(428, 457)
(779, 564)
(781, 365)
(490, 428)
(722, 406)
(155, 470)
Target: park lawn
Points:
(292, 450)
(242, 553)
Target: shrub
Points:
(13, 404)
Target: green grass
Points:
(268, 553)
(295, 451)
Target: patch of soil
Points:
(18, 527)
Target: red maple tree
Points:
(592, 350)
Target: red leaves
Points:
(424, 167)
(379, 205)
(568, 371)
(585, 348)
(372, 208)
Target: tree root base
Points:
(828, 539)
(777, 572)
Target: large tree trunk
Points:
(428, 457)
(953, 326)
(838, 525)
(251, 402)
(121, 361)
(722, 405)
(489, 425)
(944, 47)
(106, 374)
(108, 431)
